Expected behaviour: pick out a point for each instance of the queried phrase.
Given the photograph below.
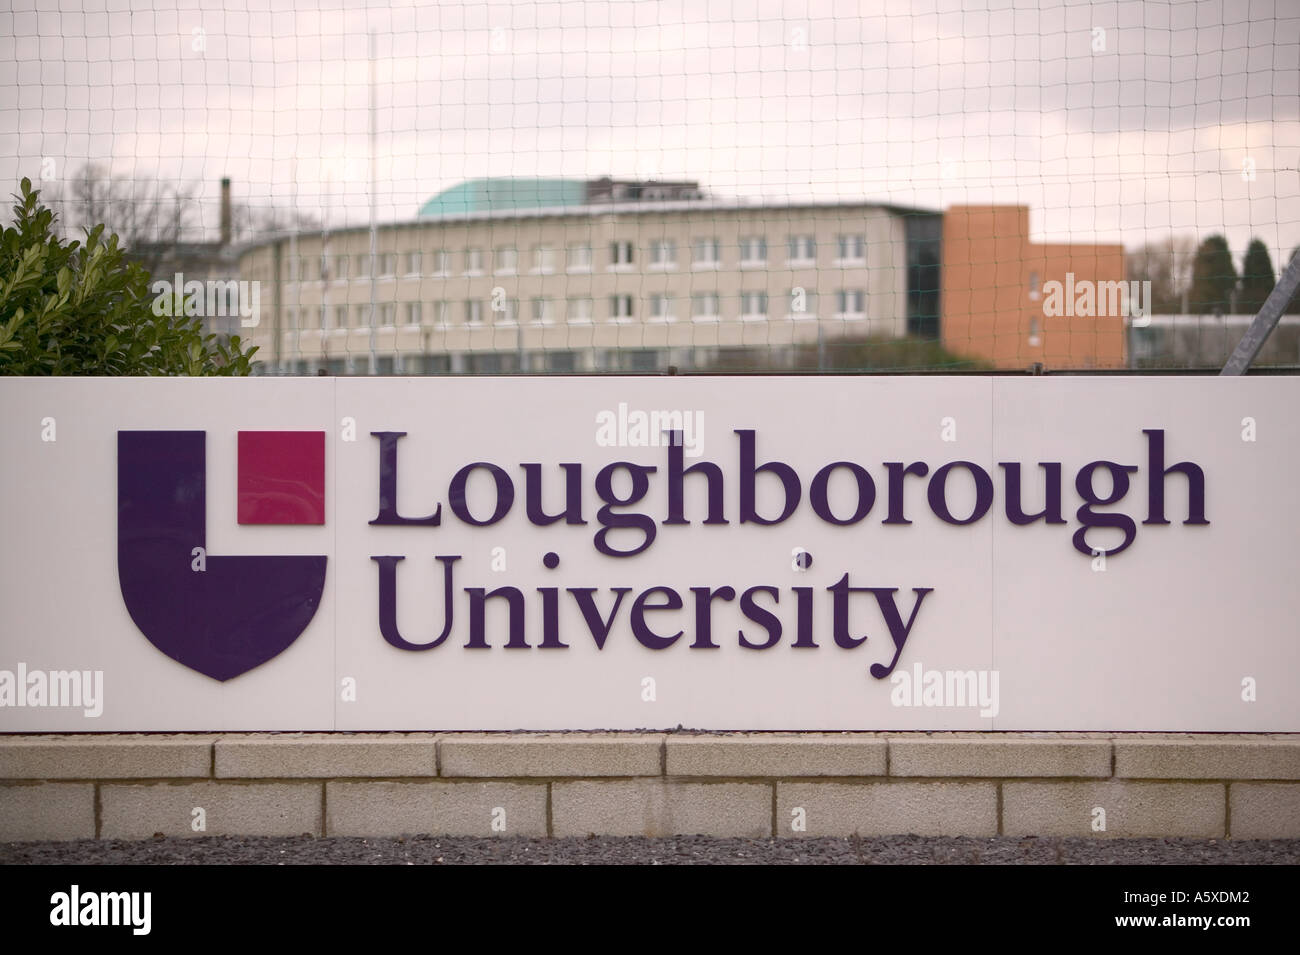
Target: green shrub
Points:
(82, 309)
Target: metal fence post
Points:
(1266, 320)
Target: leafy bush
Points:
(82, 309)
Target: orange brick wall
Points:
(989, 311)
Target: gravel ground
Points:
(605, 850)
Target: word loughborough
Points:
(626, 533)
(644, 528)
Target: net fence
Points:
(641, 186)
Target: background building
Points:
(202, 262)
(1206, 341)
(994, 285)
(601, 275)
(569, 275)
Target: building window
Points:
(802, 250)
(663, 254)
(577, 311)
(473, 261)
(340, 316)
(412, 263)
(1035, 288)
(388, 315)
(543, 311)
(643, 359)
(620, 308)
(291, 318)
(1034, 339)
(851, 303)
(441, 262)
(753, 251)
(363, 316)
(706, 253)
(705, 307)
(341, 268)
(363, 265)
(851, 249)
(413, 313)
(388, 263)
(474, 312)
(441, 313)
(506, 261)
(753, 305)
(562, 361)
(543, 260)
(661, 308)
(579, 258)
(620, 254)
(491, 363)
(506, 311)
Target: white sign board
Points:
(613, 553)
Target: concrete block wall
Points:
(1096, 785)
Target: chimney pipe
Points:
(225, 211)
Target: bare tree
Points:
(1167, 265)
(153, 215)
(150, 216)
(250, 221)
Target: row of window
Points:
(544, 311)
(662, 254)
(481, 363)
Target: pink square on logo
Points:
(282, 477)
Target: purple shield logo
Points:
(222, 616)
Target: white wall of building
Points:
(489, 284)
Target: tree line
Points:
(152, 217)
(1191, 279)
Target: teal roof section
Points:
(497, 195)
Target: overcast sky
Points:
(1113, 121)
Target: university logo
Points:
(222, 616)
